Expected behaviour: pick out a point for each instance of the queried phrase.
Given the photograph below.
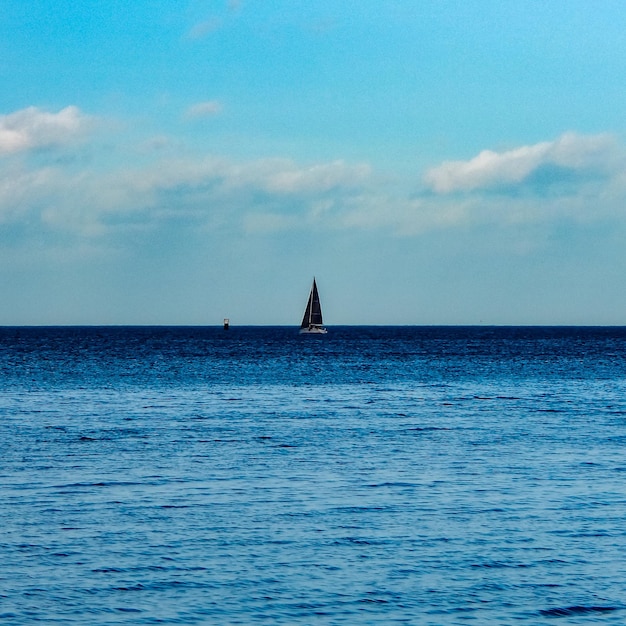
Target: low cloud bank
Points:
(170, 189)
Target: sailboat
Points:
(312, 321)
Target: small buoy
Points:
(226, 323)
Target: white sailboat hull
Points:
(315, 330)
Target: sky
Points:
(428, 161)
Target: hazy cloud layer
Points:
(577, 154)
(278, 194)
(209, 191)
(33, 128)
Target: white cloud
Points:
(32, 128)
(578, 154)
(288, 178)
(204, 109)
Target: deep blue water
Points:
(409, 475)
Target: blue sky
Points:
(431, 161)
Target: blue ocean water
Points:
(375, 475)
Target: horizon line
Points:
(295, 326)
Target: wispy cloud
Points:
(286, 177)
(214, 23)
(569, 154)
(208, 108)
(33, 128)
(204, 28)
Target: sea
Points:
(374, 475)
